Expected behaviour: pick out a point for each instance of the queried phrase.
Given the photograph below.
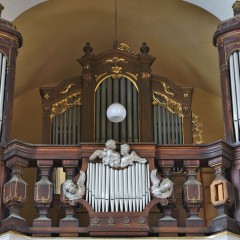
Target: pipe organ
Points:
(157, 111)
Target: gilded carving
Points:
(167, 89)
(134, 76)
(197, 130)
(65, 90)
(115, 60)
(70, 101)
(47, 96)
(86, 66)
(124, 47)
(166, 102)
(116, 71)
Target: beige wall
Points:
(209, 109)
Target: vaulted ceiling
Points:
(178, 33)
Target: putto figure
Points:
(161, 189)
(73, 192)
(108, 155)
(128, 159)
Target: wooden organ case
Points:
(157, 111)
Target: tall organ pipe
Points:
(3, 67)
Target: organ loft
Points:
(122, 150)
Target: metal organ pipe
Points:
(3, 66)
(114, 190)
(234, 82)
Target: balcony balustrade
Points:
(118, 217)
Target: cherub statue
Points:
(74, 192)
(128, 159)
(108, 155)
(161, 189)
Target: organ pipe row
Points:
(167, 126)
(234, 61)
(66, 127)
(3, 70)
(121, 91)
(113, 190)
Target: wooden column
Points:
(192, 195)
(10, 41)
(43, 196)
(15, 193)
(222, 196)
(227, 40)
(145, 95)
(69, 220)
(89, 83)
(167, 220)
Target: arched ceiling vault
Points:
(179, 35)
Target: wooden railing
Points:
(225, 190)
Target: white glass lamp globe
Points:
(116, 112)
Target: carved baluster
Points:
(222, 196)
(192, 195)
(43, 195)
(70, 210)
(167, 220)
(15, 193)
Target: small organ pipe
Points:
(2, 87)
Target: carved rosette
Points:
(15, 191)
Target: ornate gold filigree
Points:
(65, 90)
(116, 71)
(86, 66)
(134, 76)
(47, 96)
(166, 102)
(70, 101)
(98, 77)
(197, 130)
(126, 48)
(167, 89)
(186, 95)
(115, 60)
(146, 75)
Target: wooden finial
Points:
(236, 8)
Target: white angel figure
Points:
(161, 189)
(108, 155)
(128, 159)
(74, 192)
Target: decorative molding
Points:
(70, 101)
(115, 60)
(133, 75)
(124, 47)
(197, 130)
(65, 90)
(98, 77)
(167, 89)
(168, 103)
